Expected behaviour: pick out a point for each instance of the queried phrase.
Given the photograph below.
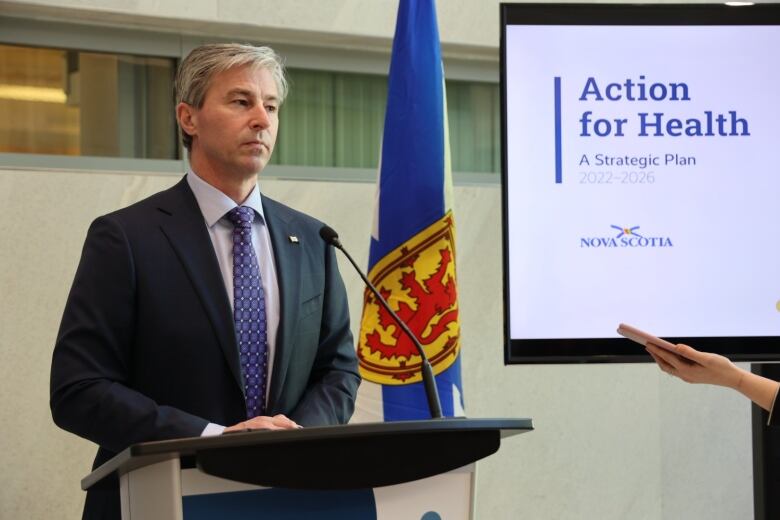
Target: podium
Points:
(326, 472)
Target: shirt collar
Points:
(214, 204)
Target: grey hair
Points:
(194, 75)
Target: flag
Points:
(412, 253)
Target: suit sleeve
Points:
(91, 391)
(332, 389)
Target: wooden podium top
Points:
(330, 457)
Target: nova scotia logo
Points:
(626, 231)
(628, 236)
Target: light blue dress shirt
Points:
(214, 205)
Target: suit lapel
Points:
(186, 231)
(287, 257)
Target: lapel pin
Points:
(293, 239)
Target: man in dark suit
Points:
(206, 307)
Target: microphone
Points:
(329, 235)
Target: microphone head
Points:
(329, 235)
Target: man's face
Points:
(234, 132)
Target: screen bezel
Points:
(617, 350)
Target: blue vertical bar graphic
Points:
(558, 167)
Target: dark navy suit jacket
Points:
(147, 349)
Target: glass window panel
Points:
(334, 119)
(112, 105)
(359, 119)
(306, 121)
(65, 102)
(472, 109)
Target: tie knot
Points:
(241, 216)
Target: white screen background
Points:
(720, 277)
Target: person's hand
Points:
(263, 422)
(693, 366)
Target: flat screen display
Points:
(641, 179)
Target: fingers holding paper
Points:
(693, 366)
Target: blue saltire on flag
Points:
(413, 229)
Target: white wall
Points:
(367, 23)
(611, 441)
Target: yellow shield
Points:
(418, 281)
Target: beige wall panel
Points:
(43, 221)
(611, 441)
(342, 22)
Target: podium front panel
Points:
(442, 496)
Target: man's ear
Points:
(188, 118)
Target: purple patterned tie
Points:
(249, 311)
